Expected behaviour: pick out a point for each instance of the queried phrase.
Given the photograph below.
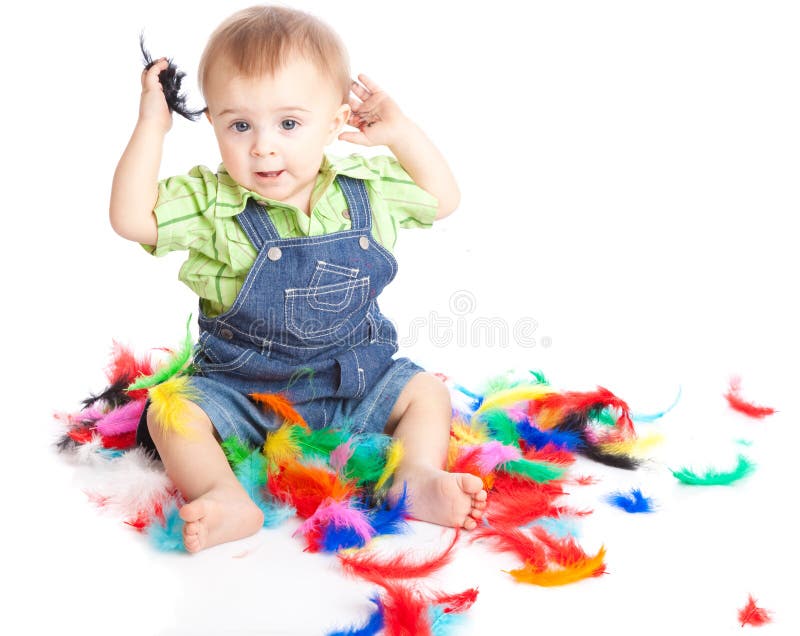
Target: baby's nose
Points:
(263, 145)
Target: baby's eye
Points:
(241, 126)
(289, 124)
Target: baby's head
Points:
(276, 82)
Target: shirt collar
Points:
(351, 166)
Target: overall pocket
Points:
(326, 310)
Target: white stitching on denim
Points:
(295, 328)
(238, 362)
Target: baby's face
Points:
(272, 130)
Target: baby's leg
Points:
(421, 419)
(219, 509)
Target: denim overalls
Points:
(306, 323)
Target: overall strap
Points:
(355, 191)
(256, 223)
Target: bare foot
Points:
(456, 500)
(222, 514)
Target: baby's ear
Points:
(341, 117)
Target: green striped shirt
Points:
(197, 212)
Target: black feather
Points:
(65, 443)
(171, 79)
(113, 396)
(578, 423)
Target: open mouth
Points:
(267, 175)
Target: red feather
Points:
(752, 614)
(121, 441)
(281, 406)
(552, 454)
(555, 406)
(125, 367)
(739, 404)
(456, 603)
(81, 435)
(306, 487)
(565, 552)
(467, 461)
(405, 611)
(398, 567)
(516, 502)
(514, 540)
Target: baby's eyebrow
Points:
(282, 109)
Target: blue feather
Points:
(169, 537)
(372, 627)
(633, 501)
(334, 539)
(275, 512)
(559, 527)
(391, 519)
(643, 418)
(537, 438)
(477, 400)
(444, 623)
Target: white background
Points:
(629, 176)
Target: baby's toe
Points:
(471, 484)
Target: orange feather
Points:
(281, 406)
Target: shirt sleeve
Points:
(184, 211)
(410, 205)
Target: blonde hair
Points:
(259, 41)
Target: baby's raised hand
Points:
(153, 109)
(376, 115)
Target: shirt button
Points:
(227, 334)
(363, 242)
(346, 214)
(274, 253)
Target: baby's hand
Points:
(153, 108)
(376, 115)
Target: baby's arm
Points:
(134, 190)
(381, 122)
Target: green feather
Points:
(540, 472)
(540, 377)
(236, 450)
(368, 459)
(501, 427)
(607, 418)
(714, 477)
(172, 367)
(318, 443)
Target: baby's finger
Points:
(372, 87)
(354, 106)
(359, 90)
(150, 75)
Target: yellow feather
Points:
(280, 448)
(514, 395)
(637, 447)
(549, 578)
(393, 457)
(452, 453)
(469, 434)
(169, 402)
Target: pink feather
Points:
(123, 419)
(517, 414)
(493, 454)
(340, 455)
(90, 414)
(340, 515)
